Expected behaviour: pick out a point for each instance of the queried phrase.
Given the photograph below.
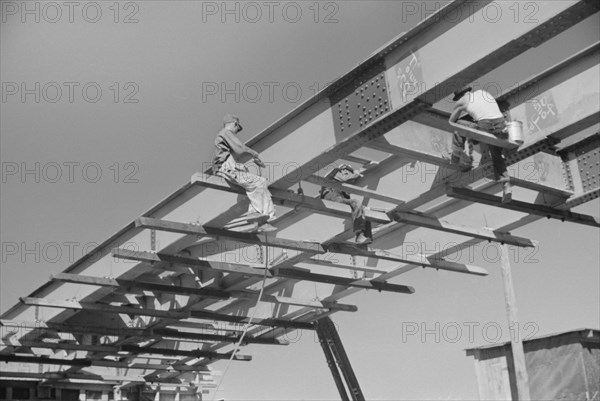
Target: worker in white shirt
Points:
(483, 109)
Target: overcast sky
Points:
(107, 108)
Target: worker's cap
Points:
(461, 93)
(231, 118)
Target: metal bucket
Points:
(515, 131)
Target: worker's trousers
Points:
(360, 225)
(495, 127)
(256, 187)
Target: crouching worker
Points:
(483, 109)
(361, 227)
(230, 151)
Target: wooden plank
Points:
(416, 260)
(122, 348)
(70, 346)
(382, 144)
(189, 353)
(329, 263)
(353, 189)
(518, 353)
(150, 257)
(191, 229)
(85, 362)
(529, 208)
(355, 159)
(424, 220)
(167, 314)
(164, 333)
(203, 314)
(449, 206)
(291, 199)
(277, 299)
(177, 334)
(302, 274)
(419, 261)
(47, 361)
(65, 375)
(481, 136)
(213, 293)
(545, 189)
(129, 284)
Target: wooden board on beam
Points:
(278, 299)
(191, 229)
(110, 349)
(131, 284)
(166, 314)
(416, 260)
(164, 333)
(291, 199)
(481, 136)
(524, 207)
(225, 267)
(206, 291)
(424, 220)
(354, 189)
(302, 274)
(85, 362)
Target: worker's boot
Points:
(506, 191)
(361, 239)
(459, 158)
(466, 162)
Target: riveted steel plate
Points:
(360, 102)
(588, 163)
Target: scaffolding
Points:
(182, 290)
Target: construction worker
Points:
(230, 151)
(345, 173)
(483, 109)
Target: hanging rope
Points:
(247, 326)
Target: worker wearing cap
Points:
(485, 112)
(229, 153)
(361, 227)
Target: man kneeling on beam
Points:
(483, 109)
(345, 173)
(229, 152)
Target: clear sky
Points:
(128, 107)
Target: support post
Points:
(515, 341)
(332, 366)
(333, 348)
